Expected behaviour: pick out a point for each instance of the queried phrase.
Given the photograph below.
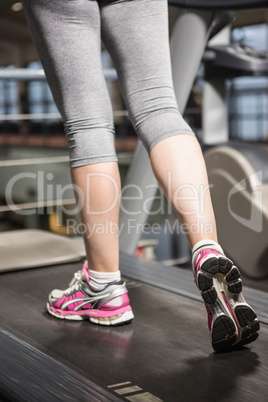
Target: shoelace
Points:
(79, 276)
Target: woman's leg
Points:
(136, 34)
(67, 37)
(179, 167)
(140, 49)
(100, 185)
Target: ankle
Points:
(99, 280)
(205, 244)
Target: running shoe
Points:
(109, 306)
(232, 322)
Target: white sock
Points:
(206, 243)
(99, 280)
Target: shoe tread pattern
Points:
(223, 334)
(205, 284)
(247, 319)
(214, 266)
(236, 287)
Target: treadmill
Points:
(163, 355)
(237, 170)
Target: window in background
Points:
(248, 96)
(40, 100)
(9, 101)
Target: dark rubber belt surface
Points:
(165, 353)
(26, 374)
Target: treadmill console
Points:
(234, 60)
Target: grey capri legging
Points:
(67, 35)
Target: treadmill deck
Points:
(164, 354)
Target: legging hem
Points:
(92, 160)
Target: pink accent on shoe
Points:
(78, 295)
(86, 306)
(92, 312)
(210, 317)
(202, 254)
(70, 307)
(232, 314)
(64, 299)
(125, 302)
(76, 304)
(85, 270)
(61, 301)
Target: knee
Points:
(90, 141)
(154, 112)
(159, 125)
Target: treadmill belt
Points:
(163, 355)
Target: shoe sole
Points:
(114, 320)
(235, 323)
